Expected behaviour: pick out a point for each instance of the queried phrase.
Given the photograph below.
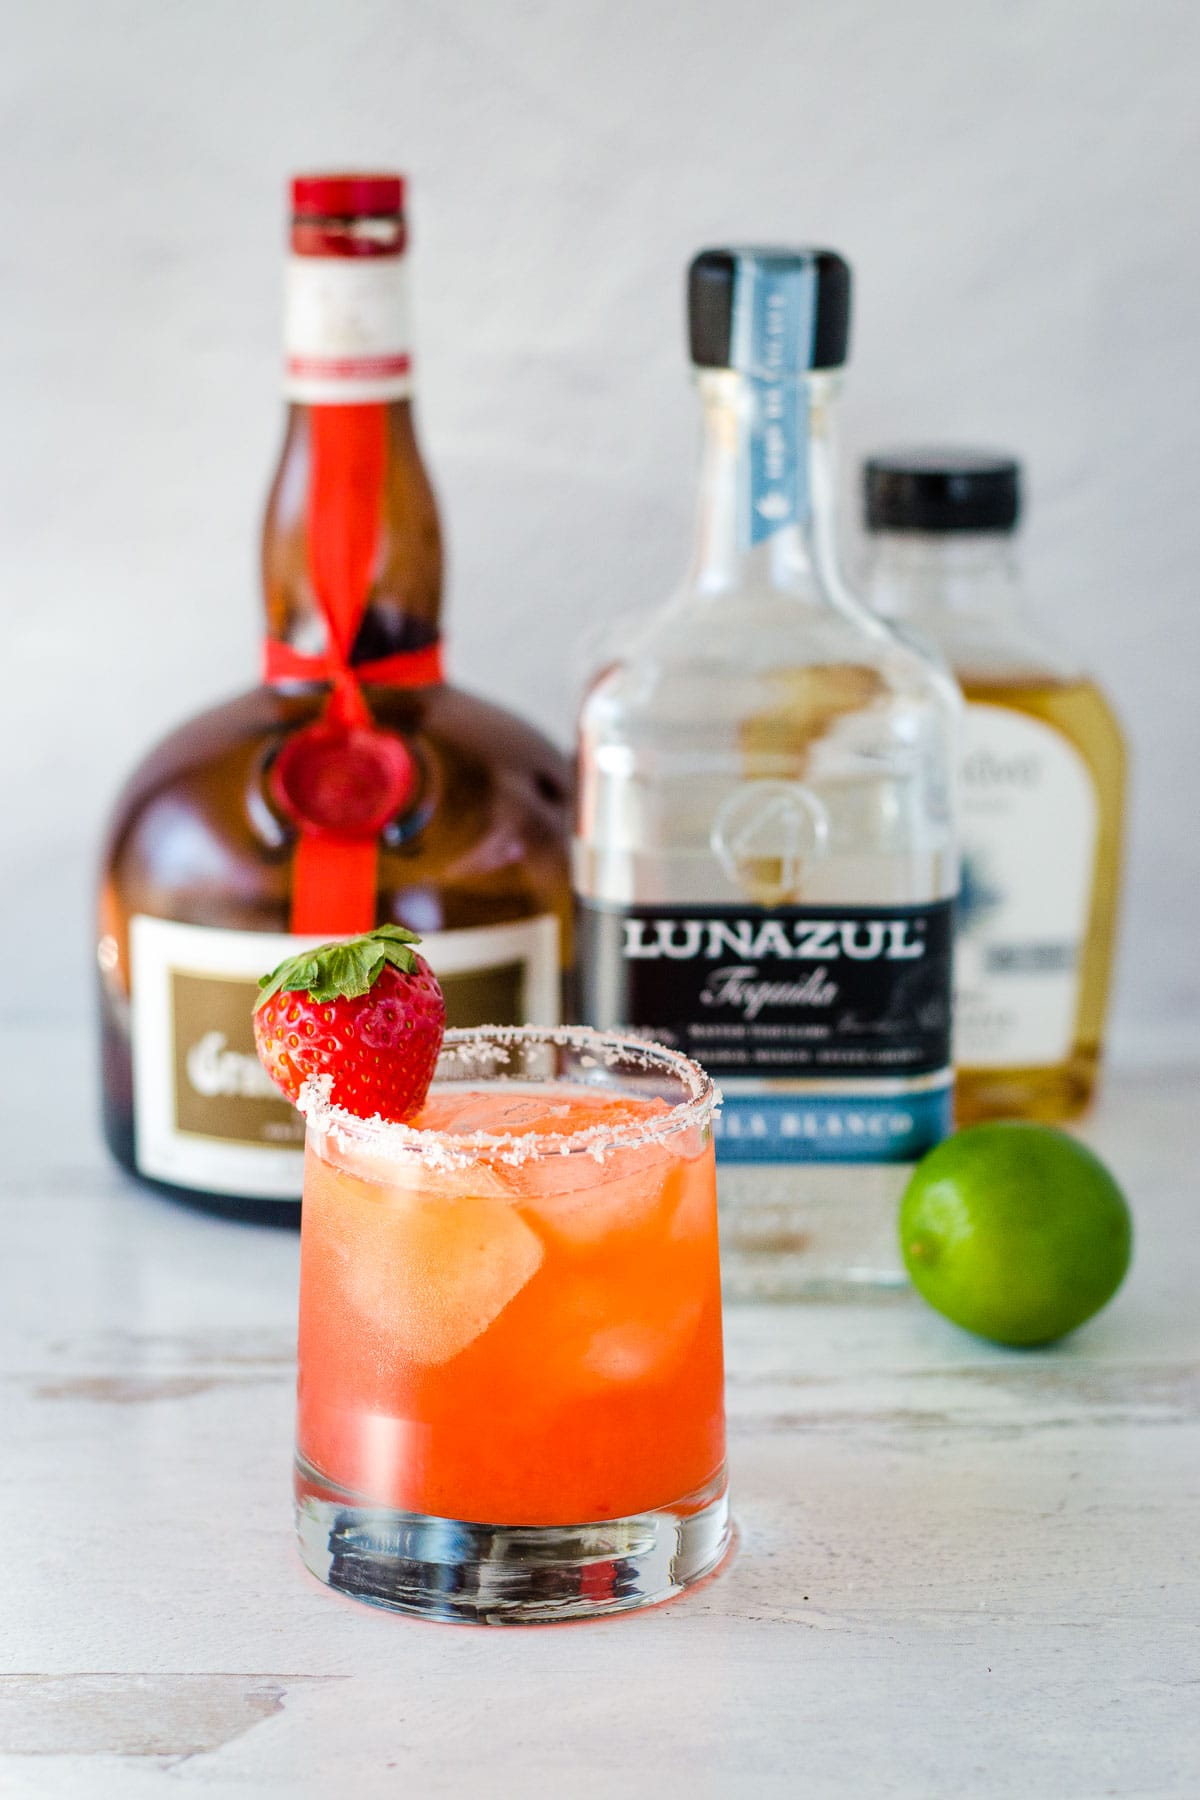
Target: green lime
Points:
(1015, 1231)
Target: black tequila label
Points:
(774, 1002)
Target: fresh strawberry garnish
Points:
(368, 1012)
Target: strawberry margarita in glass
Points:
(510, 1381)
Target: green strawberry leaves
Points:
(341, 971)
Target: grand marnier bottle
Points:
(353, 784)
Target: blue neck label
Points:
(773, 324)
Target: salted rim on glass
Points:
(450, 1149)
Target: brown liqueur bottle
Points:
(353, 785)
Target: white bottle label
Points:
(205, 1115)
(1030, 820)
(346, 329)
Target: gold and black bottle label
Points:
(205, 1115)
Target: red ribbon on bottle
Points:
(341, 778)
(404, 668)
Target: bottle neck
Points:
(351, 545)
(767, 517)
(346, 314)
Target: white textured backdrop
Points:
(1015, 182)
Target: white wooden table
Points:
(962, 1572)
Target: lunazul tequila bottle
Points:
(765, 861)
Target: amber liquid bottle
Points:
(1041, 788)
(353, 785)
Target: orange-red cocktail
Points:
(510, 1324)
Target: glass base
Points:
(507, 1574)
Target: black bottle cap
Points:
(717, 279)
(941, 490)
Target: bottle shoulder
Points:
(198, 809)
(981, 629)
(206, 740)
(1000, 652)
(442, 713)
(721, 662)
(965, 598)
(454, 715)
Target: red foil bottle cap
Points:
(348, 196)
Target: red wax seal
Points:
(342, 781)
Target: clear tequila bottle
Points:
(765, 856)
